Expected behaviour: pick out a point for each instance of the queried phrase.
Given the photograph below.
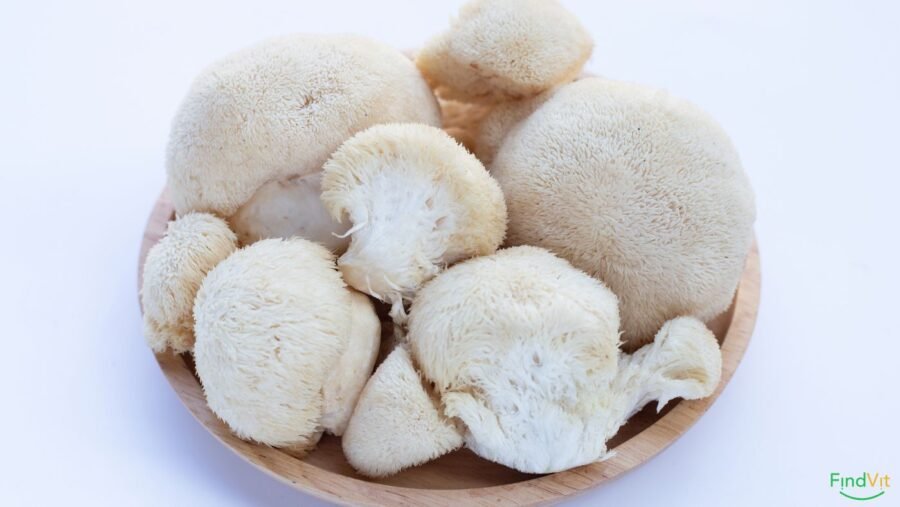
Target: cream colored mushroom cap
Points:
(505, 49)
(417, 201)
(636, 187)
(272, 322)
(173, 271)
(278, 109)
(397, 424)
(522, 348)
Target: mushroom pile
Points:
(541, 248)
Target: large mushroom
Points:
(255, 128)
(417, 202)
(638, 188)
(283, 347)
(522, 350)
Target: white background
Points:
(809, 91)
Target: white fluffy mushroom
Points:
(523, 349)
(417, 201)
(397, 423)
(501, 50)
(638, 188)
(256, 124)
(283, 346)
(173, 271)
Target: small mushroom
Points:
(501, 50)
(255, 125)
(397, 423)
(647, 194)
(283, 346)
(173, 271)
(417, 201)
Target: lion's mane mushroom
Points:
(283, 346)
(647, 194)
(255, 126)
(397, 423)
(504, 50)
(417, 201)
(523, 349)
(173, 271)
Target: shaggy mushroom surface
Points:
(498, 50)
(275, 327)
(638, 188)
(173, 271)
(417, 201)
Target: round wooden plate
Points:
(462, 477)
